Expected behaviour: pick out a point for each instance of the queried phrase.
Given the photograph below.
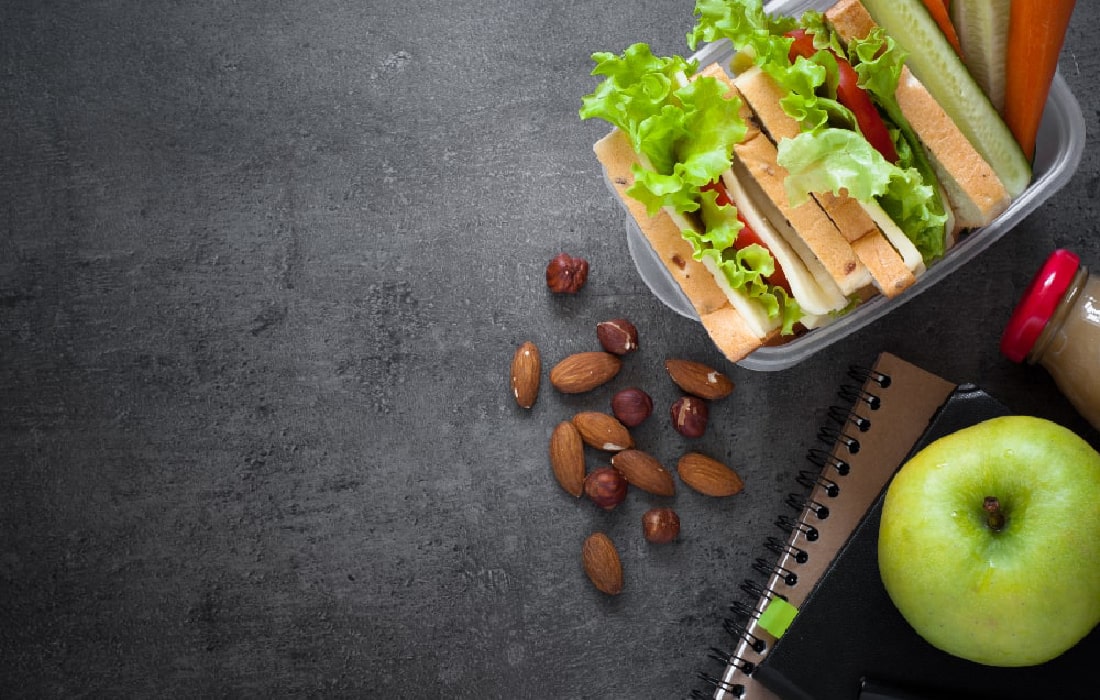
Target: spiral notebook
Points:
(839, 636)
(881, 415)
(849, 642)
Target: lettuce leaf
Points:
(714, 122)
(746, 25)
(829, 160)
(755, 33)
(684, 131)
(878, 61)
(832, 160)
(636, 96)
(824, 159)
(745, 269)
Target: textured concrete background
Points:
(262, 269)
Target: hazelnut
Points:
(606, 487)
(566, 274)
(660, 525)
(689, 416)
(618, 336)
(631, 406)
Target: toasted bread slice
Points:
(814, 227)
(617, 157)
(977, 196)
(811, 284)
(891, 273)
(815, 237)
(762, 93)
(974, 192)
(724, 324)
(804, 279)
(736, 323)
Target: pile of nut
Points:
(606, 486)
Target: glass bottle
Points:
(1057, 324)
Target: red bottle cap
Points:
(1038, 303)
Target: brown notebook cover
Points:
(874, 428)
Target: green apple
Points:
(989, 543)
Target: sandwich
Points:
(813, 173)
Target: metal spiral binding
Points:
(782, 547)
(735, 688)
(809, 478)
(791, 524)
(855, 395)
(807, 505)
(731, 660)
(831, 435)
(757, 591)
(825, 459)
(843, 416)
(847, 418)
(866, 374)
(741, 631)
(744, 610)
(767, 568)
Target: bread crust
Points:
(617, 156)
(817, 231)
(763, 94)
(891, 274)
(974, 192)
(886, 266)
(723, 323)
(727, 330)
(849, 19)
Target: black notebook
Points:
(849, 642)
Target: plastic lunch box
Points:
(1057, 154)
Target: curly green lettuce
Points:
(821, 158)
(684, 131)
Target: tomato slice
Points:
(851, 95)
(746, 236)
(723, 198)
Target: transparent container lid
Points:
(1061, 141)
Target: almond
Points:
(642, 469)
(698, 379)
(526, 373)
(602, 564)
(707, 475)
(602, 431)
(567, 457)
(584, 371)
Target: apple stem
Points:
(995, 518)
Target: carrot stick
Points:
(1036, 31)
(939, 11)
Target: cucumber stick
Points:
(939, 68)
(982, 26)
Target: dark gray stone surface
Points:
(262, 270)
